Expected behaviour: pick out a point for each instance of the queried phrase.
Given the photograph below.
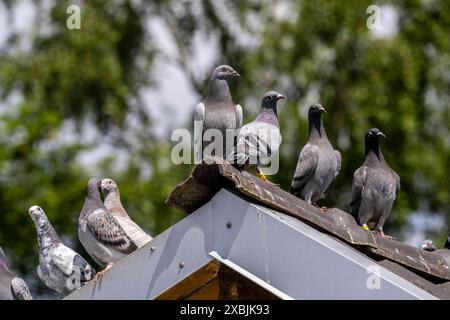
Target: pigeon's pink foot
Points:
(381, 233)
(99, 274)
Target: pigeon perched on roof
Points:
(99, 232)
(428, 245)
(443, 253)
(217, 111)
(260, 139)
(318, 163)
(60, 268)
(11, 286)
(375, 186)
(112, 202)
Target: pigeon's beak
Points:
(381, 134)
(280, 97)
(322, 110)
(235, 74)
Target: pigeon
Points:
(375, 186)
(11, 286)
(217, 111)
(318, 163)
(60, 268)
(113, 204)
(99, 231)
(260, 139)
(428, 245)
(443, 253)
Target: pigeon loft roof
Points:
(244, 238)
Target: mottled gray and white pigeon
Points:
(112, 202)
(260, 139)
(318, 163)
(217, 111)
(11, 286)
(60, 268)
(99, 232)
(375, 186)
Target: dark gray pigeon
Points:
(11, 286)
(99, 232)
(60, 268)
(217, 111)
(318, 163)
(112, 202)
(375, 186)
(260, 139)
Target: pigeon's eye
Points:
(370, 133)
(224, 69)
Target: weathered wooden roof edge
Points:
(208, 178)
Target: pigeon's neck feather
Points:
(114, 205)
(219, 90)
(316, 130)
(268, 115)
(373, 155)
(3, 265)
(47, 235)
(91, 202)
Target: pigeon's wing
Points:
(339, 161)
(239, 116)
(306, 166)
(109, 232)
(20, 289)
(359, 179)
(257, 141)
(62, 258)
(136, 234)
(199, 118)
(397, 182)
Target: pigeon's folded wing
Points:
(62, 257)
(258, 139)
(339, 161)
(109, 232)
(20, 289)
(239, 116)
(359, 179)
(199, 117)
(306, 166)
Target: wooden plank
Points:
(192, 284)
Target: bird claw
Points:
(262, 176)
(381, 234)
(323, 209)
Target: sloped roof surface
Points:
(425, 269)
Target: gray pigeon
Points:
(428, 245)
(99, 232)
(60, 268)
(260, 139)
(375, 186)
(443, 253)
(318, 163)
(217, 111)
(11, 286)
(112, 202)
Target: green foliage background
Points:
(316, 50)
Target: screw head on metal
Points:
(181, 265)
(152, 248)
(229, 225)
